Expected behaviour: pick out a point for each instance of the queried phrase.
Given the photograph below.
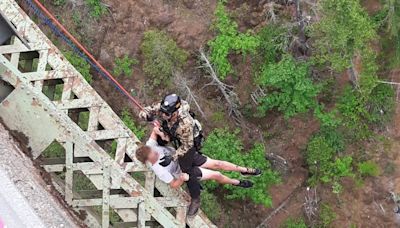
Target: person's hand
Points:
(166, 160)
(156, 123)
(146, 116)
(184, 177)
(160, 133)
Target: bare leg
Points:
(217, 176)
(222, 165)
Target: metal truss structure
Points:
(44, 98)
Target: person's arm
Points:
(157, 132)
(176, 183)
(149, 111)
(185, 134)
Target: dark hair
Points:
(142, 153)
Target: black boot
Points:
(244, 184)
(193, 207)
(251, 172)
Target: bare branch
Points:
(311, 204)
(184, 86)
(229, 95)
(257, 95)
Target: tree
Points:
(228, 40)
(290, 88)
(162, 56)
(324, 164)
(344, 30)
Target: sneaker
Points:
(193, 207)
(251, 172)
(245, 184)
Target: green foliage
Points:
(390, 18)
(327, 119)
(326, 216)
(381, 104)
(54, 150)
(161, 56)
(218, 116)
(291, 90)
(359, 112)
(354, 114)
(228, 40)
(223, 144)
(368, 168)
(294, 223)
(83, 121)
(80, 65)
(59, 2)
(344, 29)
(97, 9)
(324, 164)
(210, 205)
(129, 122)
(273, 43)
(76, 18)
(124, 65)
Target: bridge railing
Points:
(50, 102)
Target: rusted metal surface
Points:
(44, 120)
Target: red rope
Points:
(87, 53)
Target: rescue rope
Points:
(60, 31)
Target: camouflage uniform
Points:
(186, 129)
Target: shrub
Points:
(161, 56)
(368, 168)
(381, 104)
(291, 90)
(319, 155)
(344, 29)
(124, 65)
(273, 43)
(326, 216)
(354, 114)
(228, 40)
(80, 65)
(97, 9)
(294, 223)
(129, 122)
(223, 144)
(324, 164)
(327, 119)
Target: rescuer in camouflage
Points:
(184, 129)
(184, 132)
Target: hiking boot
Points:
(193, 207)
(251, 172)
(244, 184)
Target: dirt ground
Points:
(120, 32)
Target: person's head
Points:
(169, 106)
(145, 153)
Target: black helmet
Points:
(170, 104)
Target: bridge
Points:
(43, 99)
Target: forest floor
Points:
(120, 30)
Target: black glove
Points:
(166, 160)
(150, 118)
